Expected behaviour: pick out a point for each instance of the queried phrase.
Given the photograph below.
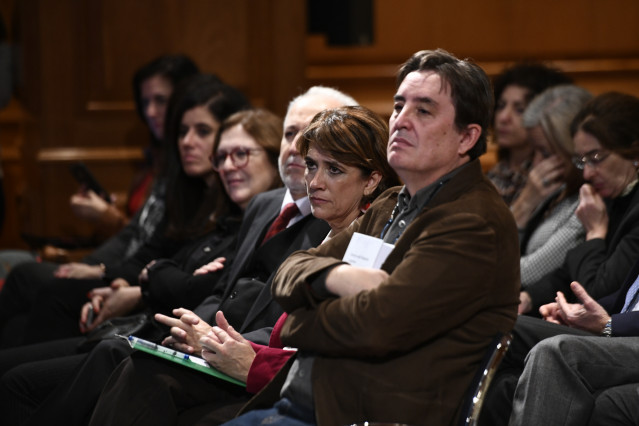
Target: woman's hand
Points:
(78, 271)
(117, 300)
(186, 330)
(544, 179)
(144, 274)
(212, 266)
(592, 213)
(226, 349)
(90, 310)
(88, 205)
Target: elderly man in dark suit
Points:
(402, 343)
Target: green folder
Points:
(178, 357)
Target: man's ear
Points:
(469, 137)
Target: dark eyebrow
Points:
(422, 100)
(334, 163)
(427, 100)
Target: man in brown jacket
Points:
(402, 343)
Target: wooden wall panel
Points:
(79, 57)
(596, 42)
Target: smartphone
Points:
(90, 316)
(84, 176)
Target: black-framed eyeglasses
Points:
(239, 157)
(593, 159)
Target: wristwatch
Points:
(607, 330)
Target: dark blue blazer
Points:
(622, 324)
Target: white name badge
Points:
(367, 251)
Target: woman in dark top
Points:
(153, 85)
(249, 141)
(192, 195)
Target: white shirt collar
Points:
(303, 204)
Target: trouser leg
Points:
(617, 406)
(563, 374)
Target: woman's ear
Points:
(371, 182)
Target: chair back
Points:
(479, 386)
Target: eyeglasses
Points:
(239, 157)
(593, 159)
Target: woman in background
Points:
(548, 226)
(514, 88)
(181, 214)
(23, 282)
(153, 85)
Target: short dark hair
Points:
(354, 136)
(470, 89)
(613, 119)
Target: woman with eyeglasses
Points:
(246, 147)
(547, 224)
(606, 138)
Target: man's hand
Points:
(592, 212)
(187, 329)
(212, 266)
(78, 271)
(589, 315)
(550, 312)
(226, 349)
(346, 280)
(525, 303)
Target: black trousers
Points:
(30, 373)
(17, 296)
(145, 390)
(37, 307)
(62, 389)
